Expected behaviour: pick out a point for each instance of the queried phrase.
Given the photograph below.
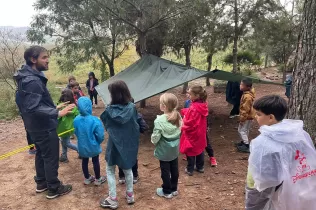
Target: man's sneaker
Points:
(121, 180)
(175, 193)
(187, 172)
(109, 203)
(41, 187)
(62, 190)
(239, 144)
(160, 193)
(130, 198)
(244, 148)
(213, 161)
(201, 170)
(63, 159)
(101, 180)
(89, 180)
(135, 179)
(32, 151)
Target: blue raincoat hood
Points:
(85, 106)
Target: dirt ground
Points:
(217, 189)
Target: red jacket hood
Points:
(202, 108)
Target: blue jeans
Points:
(65, 143)
(110, 172)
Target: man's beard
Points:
(41, 68)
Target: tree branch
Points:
(6, 80)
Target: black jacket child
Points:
(95, 83)
(233, 93)
(35, 104)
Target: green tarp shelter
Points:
(152, 75)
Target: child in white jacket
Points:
(282, 162)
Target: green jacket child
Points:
(66, 123)
(166, 138)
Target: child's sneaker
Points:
(244, 148)
(175, 193)
(109, 203)
(162, 194)
(62, 190)
(187, 172)
(63, 159)
(42, 187)
(89, 181)
(239, 144)
(135, 179)
(201, 170)
(130, 198)
(121, 180)
(184, 157)
(213, 161)
(101, 180)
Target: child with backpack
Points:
(166, 137)
(66, 123)
(193, 138)
(120, 121)
(142, 128)
(90, 133)
(282, 161)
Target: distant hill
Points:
(18, 30)
(23, 31)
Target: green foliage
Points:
(276, 35)
(198, 59)
(244, 57)
(8, 109)
(83, 33)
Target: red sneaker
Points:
(184, 157)
(213, 161)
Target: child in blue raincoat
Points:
(90, 133)
(120, 121)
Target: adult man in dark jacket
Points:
(40, 119)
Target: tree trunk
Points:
(236, 35)
(187, 51)
(111, 67)
(142, 43)
(209, 66)
(266, 61)
(142, 51)
(285, 64)
(103, 72)
(303, 98)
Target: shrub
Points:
(8, 110)
(244, 57)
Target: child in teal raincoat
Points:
(120, 121)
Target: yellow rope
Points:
(28, 147)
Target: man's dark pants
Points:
(47, 158)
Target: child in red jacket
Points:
(193, 138)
